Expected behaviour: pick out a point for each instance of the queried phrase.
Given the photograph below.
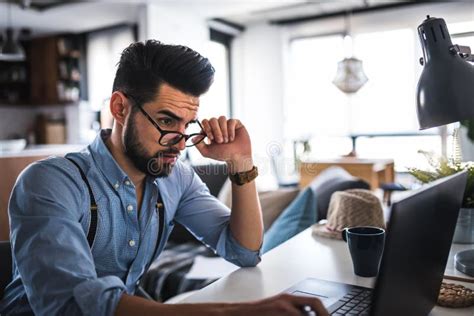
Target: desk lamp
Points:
(445, 91)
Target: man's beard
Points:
(152, 166)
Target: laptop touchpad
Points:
(328, 292)
(324, 299)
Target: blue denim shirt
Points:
(55, 270)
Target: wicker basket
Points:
(455, 296)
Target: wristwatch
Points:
(241, 178)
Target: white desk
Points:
(301, 257)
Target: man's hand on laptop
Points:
(284, 304)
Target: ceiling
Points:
(45, 16)
(298, 10)
(53, 16)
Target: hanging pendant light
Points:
(11, 50)
(350, 76)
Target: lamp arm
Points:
(463, 51)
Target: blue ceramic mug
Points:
(366, 245)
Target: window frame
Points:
(226, 40)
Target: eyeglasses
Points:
(170, 138)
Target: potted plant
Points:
(443, 167)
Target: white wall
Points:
(17, 121)
(258, 87)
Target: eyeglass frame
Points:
(165, 132)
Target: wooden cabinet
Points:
(51, 74)
(44, 75)
(55, 64)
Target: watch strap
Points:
(240, 178)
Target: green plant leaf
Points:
(442, 167)
(469, 124)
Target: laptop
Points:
(417, 245)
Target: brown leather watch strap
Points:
(240, 178)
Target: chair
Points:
(213, 175)
(6, 266)
(388, 189)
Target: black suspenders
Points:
(93, 208)
(160, 209)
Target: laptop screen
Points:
(419, 236)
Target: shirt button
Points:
(116, 186)
(130, 208)
(131, 243)
(127, 182)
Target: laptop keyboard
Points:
(356, 302)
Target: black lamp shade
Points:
(11, 49)
(445, 91)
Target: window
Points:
(387, 102)
(385, 106)
(217, 101)
(103, 53)
(315, 107)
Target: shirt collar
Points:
(104, 160)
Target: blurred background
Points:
(276, 64)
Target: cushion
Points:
(272, 202)
(331, 180)
(299, 215)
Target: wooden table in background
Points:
(374, 171)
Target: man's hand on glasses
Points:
(228, 141)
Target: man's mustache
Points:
(170, 151)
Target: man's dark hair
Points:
(143, 67)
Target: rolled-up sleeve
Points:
(236, 253)
(50, 247)
(99, 296)
(208, 220)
